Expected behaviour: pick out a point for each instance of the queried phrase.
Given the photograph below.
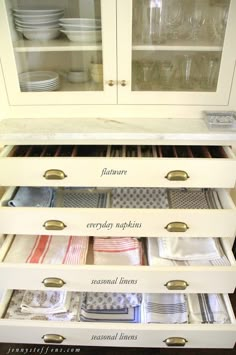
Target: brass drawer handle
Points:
(53, 338)
(54, 174)
(54, 225)
(176, 285)
(179, 227)
(177, 175)
(53, 282)
(175, 341)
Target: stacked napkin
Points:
(44, 305)
(111, 307)
(48, 249)
(32, 197)
(117, 251)
(165, 308)
(207, 308)
(80, 198)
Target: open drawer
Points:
(123, 165)
(108, 278)
(118, 334)
(137, 222)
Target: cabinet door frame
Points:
(124, 51)
(108, 46)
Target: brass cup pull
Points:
(179, 227)
(54, 174)
(54, 225)
(175, 341)
(53, 338)
(176, 285)
(53, 282)
(177, 175)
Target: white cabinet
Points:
(186, 62)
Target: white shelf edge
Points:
(53, 46)
(177, 48)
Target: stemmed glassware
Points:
(219, 21)
(173, 18)
(197, 19)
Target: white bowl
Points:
(40, 34)
(85, 22)
(84, 36)
(40, 17)
(77, 76)
(71, 27)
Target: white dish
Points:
(86, 22)
(37, 11)
(71, 27)
(36, 23)
(41, 34)
(43, 17)
(38, 77)
(84, 36)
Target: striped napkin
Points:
(154, 258)
(165, 308)
(48, 249)
(117, 251)
(207, 308)
(14, 309)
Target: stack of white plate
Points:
(39, 81)
(82, 30)
(38, 24)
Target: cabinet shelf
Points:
(173, 47)
(54, 46)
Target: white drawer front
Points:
(119, 171)
(121, 221)
(126, 335)
(109, 278)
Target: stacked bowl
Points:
(82, 30)
(38, 24)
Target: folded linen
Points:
(207, 308)
(45, 302)
(111, 300)
(193, 198)
(132, 197)
(165, 308)
(181, 248)
(32, 197)
(48, 249)
(14, 309)
(117, 251)
(154, 258)
(80, 198)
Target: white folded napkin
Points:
(165, 308)
(48, 249)
(154, 258)
(45, 302)
(207, 308)
(182, 248)
(32, 197)
(117, 251)
(14, 309)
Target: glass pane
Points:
(57, 44)
(168, 44)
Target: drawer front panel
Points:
(118, 222)
(120, 335)
(119, 279)
(102, 171)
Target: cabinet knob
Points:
(111, 82)
(53, 282)
(177, 175)
(54, 174)
(123, 83)
(53, 338)
(179, 227)
(176, 285)
(175, 341)
(53, 225)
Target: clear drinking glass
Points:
(173, 18)
(219, 21)
(197, 19)
(166, 74)
(152, 23)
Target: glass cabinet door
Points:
(60, 51)
(181, 51)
